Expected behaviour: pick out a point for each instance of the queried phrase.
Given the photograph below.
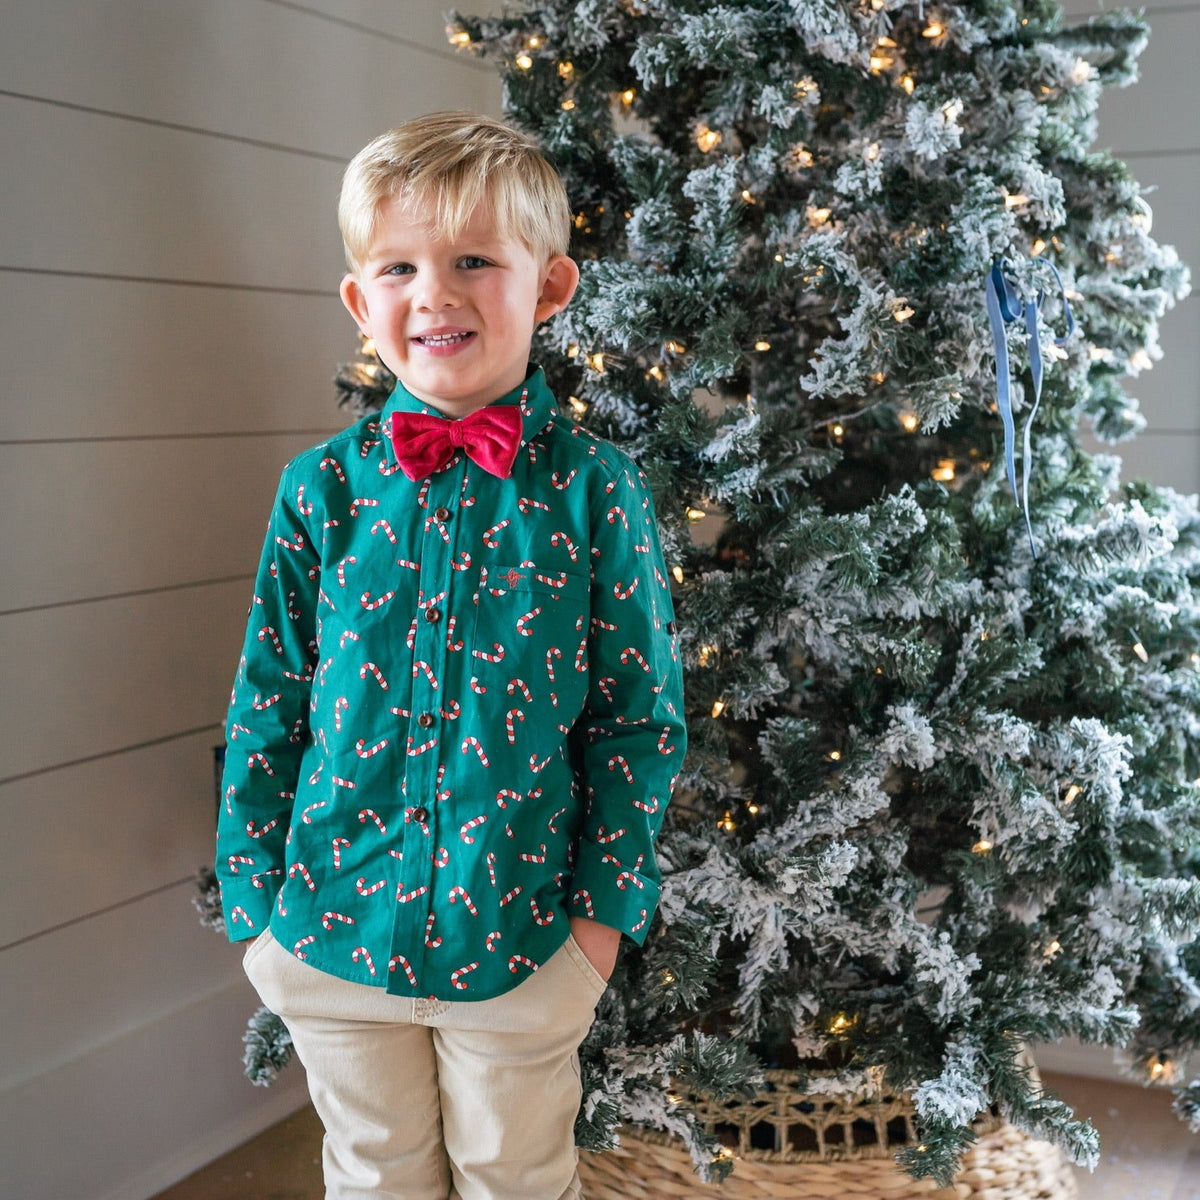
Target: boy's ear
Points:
(558, 286)
(355, 301)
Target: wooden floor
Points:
(1147, 1153)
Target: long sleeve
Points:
(629, 742)
(267, 728)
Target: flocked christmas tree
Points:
(941, 801)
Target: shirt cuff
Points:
(607, 891)
(247, 909)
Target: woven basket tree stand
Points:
(823, 1149)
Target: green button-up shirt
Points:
(457, 718)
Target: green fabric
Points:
(457, 718)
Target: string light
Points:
(524, 61)
(655, 372)
(818, 216)
(878, 377)
(567, 105)
(628, 96)
(707, 139)
(1014, 199)
(577, 405)
(752, 809)
(981, 847)
(903, 314)
(840, 1024)
(696, 514)
(910, 421)
(458, 37)
(837, 429)
(718, 707)
(1140, 651)
(596, 362)
(933, 30)
(566, 70)
(762, 345)
(748, 196)
(573, 350)
(673, 347)
(707, 654)
(1037, 247)
(668, 978)
(1072, 792)
(908, 83)
(805, 87)
(727, 824)
(677, 572)
(1051, 950)
(944, 471)
(835, 756)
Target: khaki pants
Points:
(419, 1095)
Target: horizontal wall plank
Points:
(1169, 393)
(90, 679)
(278, 67)
(91, 836)
(1169, 460)
(423, 21)
(114, 358)
(162, 204)
(122, 969)
(124, 516)
(143, 1111)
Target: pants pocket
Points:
(583, 964)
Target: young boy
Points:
(456, 721)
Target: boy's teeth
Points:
(443, 339)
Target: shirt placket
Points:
(425, 752)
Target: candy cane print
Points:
(408, 564)
(520, 958)
(409, 819)
(385, 468)
(235, 729)
(304, 508)
(322, 669)
(572, 549)
(470, 742)
(362, 954)
(283, 912)
(386, 526)
(412, 751)
(456, 977)
(625, 878)
(491, 867)
(298, 948)
(259, 703)
(239, 913)
(586, 896)
(458, 892)
(368, 444)
(537, 767)
(550, 824)
(477, 687)
(453, 644)
(422, 495)
(633, 652)
(327, 919)
(292, 611)
(268, 632)
(331, 463)
(581, 664)
(339, 844)
(369, 814)
(617, 513)
(369, 668)
(423, 667)
(539, 857)
(461, 562)
(403, 897)
(441, 526)
(230, 792)
(410, 639)
(327, 525)
(525, 505)
(662, 747)
(311, 809)
(364, 751)
(441, 858)
(491, 940)
(496, 656)
(508, 897)
(339, 706)
(465, 831)
(623, 763)
(257, 833)
(300, 869)
(341, 568)
(638, 926)
(432, 943)
(348, 636)
(551, 654)
(360, 502)
(365, 889)
(399, 958)
(604, 837)
(509, 726)
(563, 482)
(524, 620)
(624, 593)
(651, 808)
(234, 859)
(489, 538)
(261, 759)
(296, 544)
(537, 912)
(379, 601)
(451, 713)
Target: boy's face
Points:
(453, 320)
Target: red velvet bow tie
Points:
(490, 436)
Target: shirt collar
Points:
(534, 396)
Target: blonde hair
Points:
(447, 164)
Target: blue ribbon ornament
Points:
(1004, 304)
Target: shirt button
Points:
(670, 626)
(425, 720)
(420, 814)
(433, 614)
(441, 514)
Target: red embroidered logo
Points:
(512, 577)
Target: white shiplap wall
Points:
(168, 270)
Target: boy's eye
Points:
(400, 269)
(473, 262)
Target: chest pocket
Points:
(530, 633)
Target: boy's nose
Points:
(437, 290)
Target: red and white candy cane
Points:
(572, 549)
(298, 868)
(410, 639)
(235, 859)
(441, 526)
(451, 713)
(331, 464)
(423, 494)
(563, 481)
(605, 684)
(642, 922)
(625, 878)
(339, 844)
(526, 505)
(520, 958)
(515, 685)
(650, 808)
(471, 742)
(551, 654)
(461, 562)
(586, 896)
(496, 655)
(413, 751)
(550, 824)
(537, 767)
(363, 888)
(539, 857)
(440, 857)
(604, 837)
(663, 748)
(400, 960)
(453, 644)
(297, 542)
(341, 569)
(456, 977)
(477, 687)
(524, 619)
(322, 669)
(230, 792)
(491, 940)
(432, 942)
(364, 751)
(257, 833)
(509, 897)
(459, 892)
(368, 444)
(303, 507)
(581, 655)
(339, 706)
(298, 948)
(422, 667)
(362, 954)
(403, 897)
(620, 761)
(261, 759)
(623, 593)
(384, 524)
(386, 468)
(634, 653)
(369, 814)
(369, 668)
(465, 831)
(509, 726)
(347, 635)
(306, 816)
(370, 605)
(292, 611)
(268, 632)
(491, 867)
(329, 918)
(260, 704)
(361, 502)
(489, 538)
(538, 916)
(235, 729)
(617, 513)
(408, 564)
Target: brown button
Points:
(670, 626)
(420, 815)
(425, 720)
(433, 615)
(441, 514)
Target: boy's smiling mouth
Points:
(441, 341)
